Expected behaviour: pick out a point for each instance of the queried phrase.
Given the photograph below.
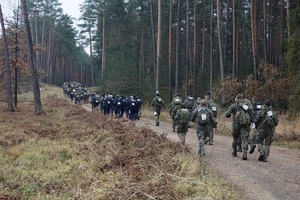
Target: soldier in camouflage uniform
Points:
(266, 123)
(202, 116)
(175, 105)
(182, 122)
(189, 103)
(213, 107)
(253, 139)
(240, 129)
(197, 103)
(158, 104)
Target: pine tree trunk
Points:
(158, 45)
(7, 74)
(170, 50)
(211, 45)
(187, 49)
(203, 40)
(219, 15)
(233, 38)
(253, 31)
(103, 51)
(265, 31)
(16, 62)
(226, 35)
(195, 50)
(288, 17)
(34, 74)
(177, 46)
(91, 57)
(153, 38)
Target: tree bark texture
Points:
(7, 74)
(34, 74)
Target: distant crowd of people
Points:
(119, 106)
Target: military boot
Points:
(267, 152)
(202, 152)
(252, 149)
(261, 156)
(182, 139)
(234, 152)
(244, 155)
(239, 149)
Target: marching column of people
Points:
(253, 123)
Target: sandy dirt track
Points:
(279, 178)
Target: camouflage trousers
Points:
(181, 130)
(264, 141)
(240, 133)
(201, 131)
(157, 111)
(210, 134)
(173, 122)
(253, 137)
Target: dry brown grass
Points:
(69, 153)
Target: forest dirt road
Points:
(279, 178)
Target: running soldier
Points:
(213, 108)
(202, 117)
(253, 140)
(182, 122)
(158, 104)
(175, 105)
(240, 111)
(266, 123)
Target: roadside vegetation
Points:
(68, 152)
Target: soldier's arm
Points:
(212, 120)
(152, 103)
(193, 115)
(230, 111)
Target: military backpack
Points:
(270, 119)
(202, 116)
(242, 115)
(184, 117)
(158, 102)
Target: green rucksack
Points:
(242, 115)
(184, 117)
(271, 119)
(202, 116)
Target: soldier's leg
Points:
(268, 142)
(211, 135)
(235, 135)
(260, 148)
(200, 135)
(173, 123)
(181, 134)
(253, 140)
(239, 144)
(245, 139)
(157, 117)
